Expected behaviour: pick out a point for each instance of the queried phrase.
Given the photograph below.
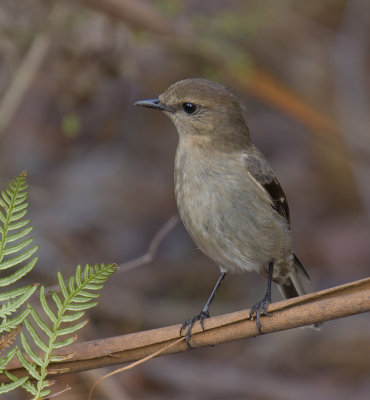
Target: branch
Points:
(338, 302)
(153, 246)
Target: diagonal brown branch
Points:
(338, 302)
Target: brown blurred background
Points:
(100, 173)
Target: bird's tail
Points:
(294, 287)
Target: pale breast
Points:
(227, 215)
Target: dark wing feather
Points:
(262, 173)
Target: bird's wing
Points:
(261, 172)
(259, 169)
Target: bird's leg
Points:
(202, 315)
(261, 306)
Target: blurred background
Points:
(101, 173)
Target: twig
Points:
(134, 364)
(153, 246)
(338, 302)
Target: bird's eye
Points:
(189, 108)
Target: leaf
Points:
(21, 234)
(12, 306)
(17, 260)
(4, 361)
(72, 328)
(56, 298)
(17, 247)
(72, 317)
(35, 337)
(18, 225)
(18, 274)
(45, 306)
(28, 349)
(31, 368)
(64, 343)
(62, 285)
(80, 307)
(40, 323)
(8, 324)
(14, 293)
(17, 382)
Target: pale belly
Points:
(237, 228)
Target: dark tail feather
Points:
(294, 287)
(289, 290)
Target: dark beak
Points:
(153, 103)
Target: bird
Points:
(227, 195)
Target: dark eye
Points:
(189, 108)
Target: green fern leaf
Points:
(80, 307)
(8, 324)
(22, 296)
(62, 285)
(64, 343)
(19, 235)
(72, 317)
(6, 360)
(76, 298)
(41, 324)
(28, 349)
(11, 294)
(46, 307)
(72, 328)
(17, 247)
(17, 382)
(36, 338)
(31, 368)
(17, 260)
(16, 276)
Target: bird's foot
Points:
(260, 307)
(189, 323)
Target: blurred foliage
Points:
(170, 8)
(71, 125)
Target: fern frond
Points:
(16, 260)
(76, 297)
(14, 228)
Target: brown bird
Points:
(227, 195)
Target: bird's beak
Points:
(153, 103)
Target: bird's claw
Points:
(258, 308)
(189, 323)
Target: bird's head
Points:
(205, 109)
